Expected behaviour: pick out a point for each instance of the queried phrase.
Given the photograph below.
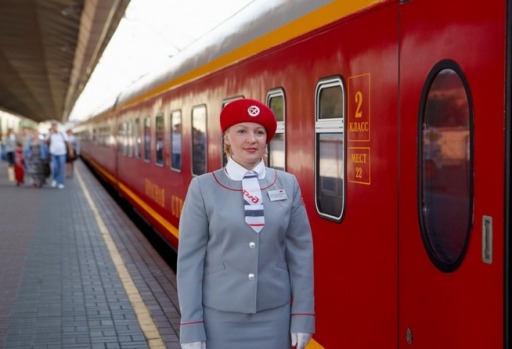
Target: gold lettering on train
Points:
(358, 111)
(176, 206)
(359, 101)
(359, 158)
(358, 165)
(155, 192)
(359, 126)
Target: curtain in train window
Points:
(276, 147)
(446, 165)
(199, 140)
(159, 140)
(147, 139)
(330, 149)
(176, 140)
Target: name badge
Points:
(277, 195)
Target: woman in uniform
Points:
(245, 255)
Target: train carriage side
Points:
(98, 144)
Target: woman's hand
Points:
(300, 339)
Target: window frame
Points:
(172, 123)
(425, 235)
(146, 128)
(330, 126)
(281, 125)
(192, 150)
(159, 157)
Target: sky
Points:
(149, 34)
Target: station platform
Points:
(76, 272)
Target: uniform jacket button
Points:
(251, 276)
(252, 245)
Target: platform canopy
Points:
(48, 51)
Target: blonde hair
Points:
(227, 149)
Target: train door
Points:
(452, 244)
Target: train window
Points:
(176, 139)
(147, 139)
(129, 137)
(120, 134)
(276, 147)
(121, 139)
(159, 140)
(199, 140)
(445, 171)
(330, 149)
(137, 137)
(110, 136)
(105, 136)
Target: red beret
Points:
(248, 110)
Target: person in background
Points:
(71, 159)
(245, 257)
(10, 148)
(57, 144)
(36, 154)
(19, 165)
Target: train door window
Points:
(159, 140)
(137, 138)
(445, 171)
(199, 140)
(276, 147)
(330, 148)
(176, 140)
(147, 139)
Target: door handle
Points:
(487, 239)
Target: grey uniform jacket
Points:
(223, 264)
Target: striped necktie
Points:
(253, 202)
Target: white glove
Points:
(300, 339)
(193, 345)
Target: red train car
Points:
(395, 116)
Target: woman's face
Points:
(248, 143)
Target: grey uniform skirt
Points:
(269, 329)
